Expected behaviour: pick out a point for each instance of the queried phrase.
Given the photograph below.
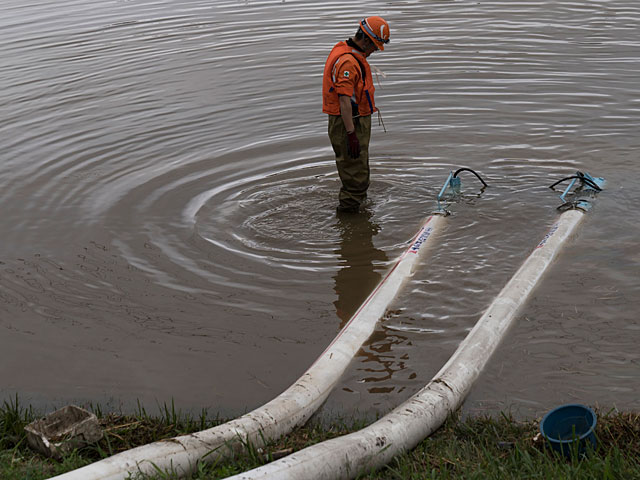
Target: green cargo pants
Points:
(353, 172)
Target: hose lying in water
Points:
(407, 425)
(291, 408)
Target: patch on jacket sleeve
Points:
(346, 73)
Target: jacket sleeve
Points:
(346, 73)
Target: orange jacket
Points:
(343, 75)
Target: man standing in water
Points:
(347, 97)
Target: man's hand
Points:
(353, 145)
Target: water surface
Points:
(168, 199)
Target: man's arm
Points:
(346, 113)
(353, 145)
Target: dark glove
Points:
(353, 145)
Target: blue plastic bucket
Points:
(565, 425)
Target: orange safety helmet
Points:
(377, 29)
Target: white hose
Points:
(278, 417)
(407, 425)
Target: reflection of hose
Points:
(472, 171)
(579, 176)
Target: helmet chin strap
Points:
(379, 73)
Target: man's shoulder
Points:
(348, 68)
(347, 59)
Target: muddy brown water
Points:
(168, 193)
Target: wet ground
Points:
(168, 200)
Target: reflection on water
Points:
(357, 257)
(359, 273)
(380, 362)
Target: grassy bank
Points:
(474, 448)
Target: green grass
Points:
(473, 448)
(502, 448)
